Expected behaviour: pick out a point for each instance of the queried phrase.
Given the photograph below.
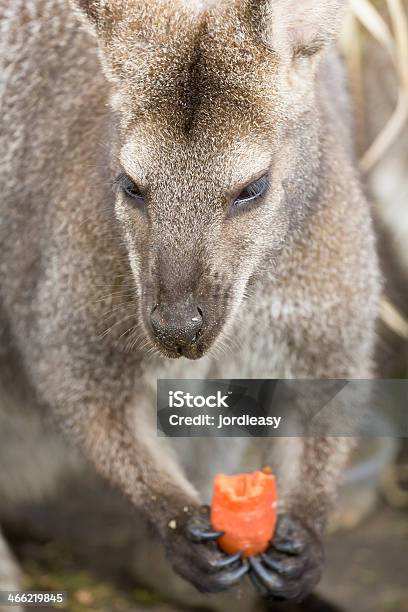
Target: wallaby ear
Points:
(126, 20)
(129, 31)
(299, 27)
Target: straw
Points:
(391, 33)
(394, 41)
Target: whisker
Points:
(110, 329)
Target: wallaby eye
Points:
(252, 192)
(130, 189)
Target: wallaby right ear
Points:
(128, 30)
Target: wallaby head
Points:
(218, 147)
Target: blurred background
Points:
(81, 537)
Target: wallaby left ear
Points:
(299, 27)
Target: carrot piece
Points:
(244, 507)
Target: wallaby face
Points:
(217, 124)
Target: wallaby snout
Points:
(177, 326)
(184, 315)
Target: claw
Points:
(230, 578)
(281, 567)
(270, 580)
(221, 563)
(288, 547)
(196, 534)
(258, 584)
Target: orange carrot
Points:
(244, 507)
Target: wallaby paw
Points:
(194, 554)
(292, 566)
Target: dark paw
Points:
(292, 566)
(193, 552)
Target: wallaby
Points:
(180, 199)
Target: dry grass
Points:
(386, 21)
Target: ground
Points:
(81, 542)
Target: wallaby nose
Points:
(176, 325)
